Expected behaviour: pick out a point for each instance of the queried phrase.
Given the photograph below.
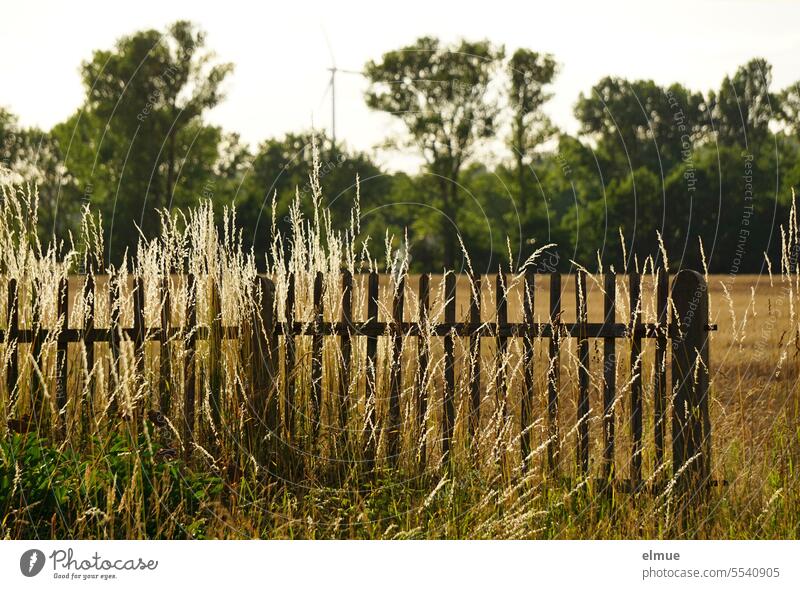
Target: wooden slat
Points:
(502, 344)
(12, 372)
(423, 351)
(214, 373)
(289, 390)
(89, 296)
(189, 378)
(634, 282)
(139, 324)
(609, 377)
(583, 373)
(475, 359)
(270, 339)
(396, 375)
(139, 349)
(345, 350)
(88, 337)
(554, 372)
(38, 412)
(448, 413)
(115, 307)
(371, 399)
(529, 362)
(316, 359)
(660, 372)
(165, 361)
(62, 310)
(264, 395)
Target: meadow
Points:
(113, 462)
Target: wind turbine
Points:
(332, 85)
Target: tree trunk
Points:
(523, 191)
(520, 157)
(170, 169)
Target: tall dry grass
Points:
(117, 467)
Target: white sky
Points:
(281, 55)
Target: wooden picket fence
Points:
(681, 325)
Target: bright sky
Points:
(281, 54)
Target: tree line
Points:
(653, 168)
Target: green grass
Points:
(115, 489)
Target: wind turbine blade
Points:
(324, 95)
(330, 47)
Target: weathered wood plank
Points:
(529, 364)
(583, 373)
(554, 373)
(396, 374)
(634, 287)
(423, 351)
(371, 400)
(449, 412)
(609, 376)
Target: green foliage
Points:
(648, 158)
(283, 166)
(34, 156)
(744, 105)
(45, 491)
(441, 94)
(139, 142)
(688, 167)
(529, 74)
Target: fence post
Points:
(691, 425)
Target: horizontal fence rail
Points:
(283, 389)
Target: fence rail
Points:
(681, 325)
